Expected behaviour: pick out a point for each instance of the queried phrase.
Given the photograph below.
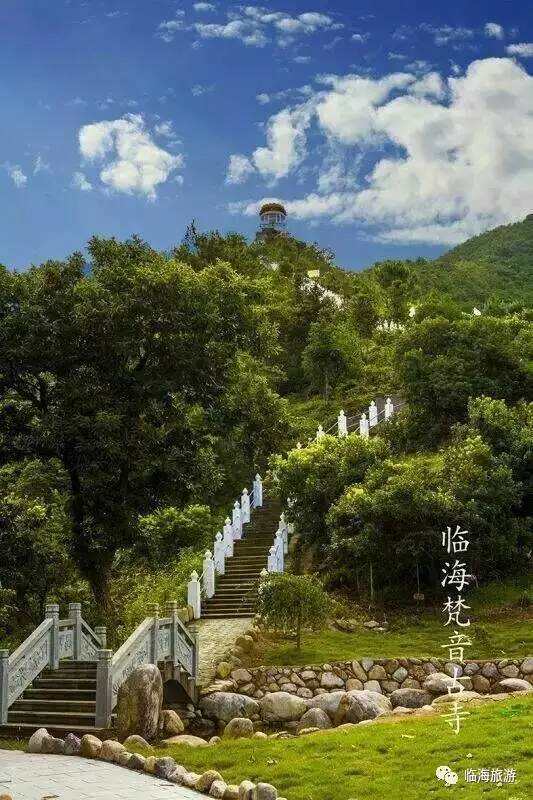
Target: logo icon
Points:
(445, 774)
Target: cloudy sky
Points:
(388, 129)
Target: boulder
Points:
(512, 685)
(203, 784)
(490, 670)
(527, 666)
(223, 669)
(164, 767)
(480, 683)
(358, 671)
(239, 728)
(314, 718)
(136, 744)
(327, 702)
(111, 750)
(36, 740)
(226, 706)
(52, 745)
(137, 761)
(245, 643)
(439, 682)
(90, 746)
(170, 724)
(400, 674)
(264, 791)
(464, 697)
(365, 705)
(372, 686)
(377, 673)
(241, 675)
(245, 790)
(189, 779)
(510, 671)
(331, 681)
(410, 698)
(72, 745)
(282, 707)
(185, 738)
(353, 683)
(232, 792)
(149, 765)
(218, 789)
(139, 703)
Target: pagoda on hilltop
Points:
(273, 218)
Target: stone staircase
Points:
(236, 590)
(63, 701)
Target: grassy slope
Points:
(389, 760)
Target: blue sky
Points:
(390, 130)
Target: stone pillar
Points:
(258, 491)
(209, 574)
(284, 530)
(74, 615)
(272, 560)
(364, 428)
(153, 611)
(228, 538)
(219, 552)
(237, 521)
(4, 683)
(101, 632)
(245, 506)
(389, 408)
(298, 445)
(171, 610)
(372, 414)
(320, 433)
(279, 545)
(194, 599)
(342, 424)
(51, 611)
(104, 689)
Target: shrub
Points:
(292, 603)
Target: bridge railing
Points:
(52, 640)
(154, 641)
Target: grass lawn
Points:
(503, 639)
(385, 761)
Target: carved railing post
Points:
(279, 545)
(171, 610)
(4, 683)
(101, 632)
(219, 553)
(194, 599)
(342, 424)
(209, 574)
(272, 560)
(74, 615)
(258, 491)
(153, 611)
(51, 611)
(372, 414)
(320, 433)
(237, 521)
(104, 689)
(228, 538)
(245, 506)
(364, 427)
(389, 408)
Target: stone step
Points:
(64, 683)
(227, 615)
(59, 694)
(56, 706)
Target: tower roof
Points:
(268, 207)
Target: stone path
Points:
(215, 637)
(26, 776)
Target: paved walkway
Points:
(216, 637)
(26, 776)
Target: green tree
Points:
(293, 603)
(333, 353)
(118, 372)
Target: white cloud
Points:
(199, 89)
(131, 162)
(524, 49)
(80, 182)
(449, 158)
(16, 174)
(40, 165)
(254, 26)
(302, 59)
(360, 37)
(168, 29)
(494, 30)
(165, 128)
(442, 34)
(239, 169)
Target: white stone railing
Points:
(361, 424)
(52, 640)
(204, 586)
(154, 641)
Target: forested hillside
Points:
(140, 391)
(495, 266)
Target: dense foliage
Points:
(292, 604)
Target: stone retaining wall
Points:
(381, 675)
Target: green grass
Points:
(13, 744)
(383, 761)
(501, 639)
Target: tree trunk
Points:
(299, 629)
